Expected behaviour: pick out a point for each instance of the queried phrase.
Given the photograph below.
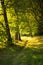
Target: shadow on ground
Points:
(18, 55)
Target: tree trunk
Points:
(30, 29)
(17, 34)
(6, 22)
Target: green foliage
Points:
(3, 36)
(20, 17)
(24, 16)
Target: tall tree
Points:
(38, 13)
(6, 22)
(19, 7)
(40, 26)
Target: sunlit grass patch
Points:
(31, 41)
(20, 43)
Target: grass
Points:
(26, 52)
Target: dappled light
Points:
(21, 32)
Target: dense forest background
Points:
(19, 18)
